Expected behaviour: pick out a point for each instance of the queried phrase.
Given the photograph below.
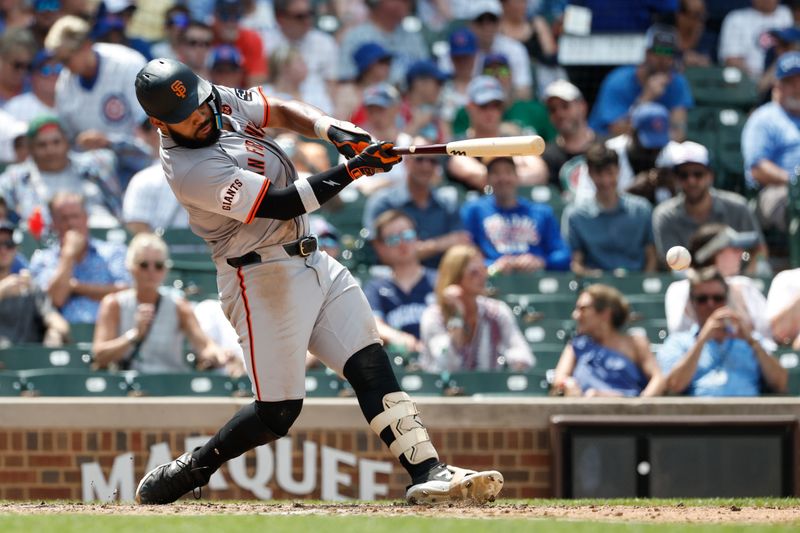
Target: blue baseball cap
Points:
(424, 68)
(368, 54)
(484, 89)
(463, 42)
(229, 10)
(787, 65)
(651, 122)
(40, 6)
(381, 95)
(789, 35)
(224, 54)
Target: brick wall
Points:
(44, 441)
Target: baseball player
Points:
(281, 294)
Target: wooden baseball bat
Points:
(485, 147)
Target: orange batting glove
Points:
(376, 157)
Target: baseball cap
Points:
(687, 152)
(368, 54)
(43, 122)
(484, 89)
(651, 122)
(476, 8)
(106, 24)
(463, 42)
(7, 225)
(787, 65)
(564, 90)
(46, 5)
(495, 59)
(224, 54)
(229, 10)
(381, 95)
(118, 6)
(661, 39)
(789, 35)
(424, 68)
(727, 238)
(41, 57)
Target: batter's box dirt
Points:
(677, 513)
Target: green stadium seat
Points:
(323, 383)
(533, 283)
(10, 384)
(72, 382)
(635, 283)
(646, 307)
(548, 331)
(182, 384)
(532, 307)
(348, 214)
(547, 355)
(196, 278)
(420, 383)
(81, 332)
(184, 244)
(654, 329)
(33, 356)
(497, 383)
(116, 235)
(721, 86)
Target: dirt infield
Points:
(678, 513)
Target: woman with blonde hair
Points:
(603, 359)
(464, 329)
(143, 328)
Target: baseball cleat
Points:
(445, 484)
(168, 482)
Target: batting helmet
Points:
(169, 91)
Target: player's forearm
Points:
(303, 196)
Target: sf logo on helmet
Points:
(178, 88)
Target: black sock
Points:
(243, 432)
(371, 376)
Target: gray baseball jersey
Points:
(222, 185)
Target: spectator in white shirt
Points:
(743, 39)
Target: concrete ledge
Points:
(438, 413)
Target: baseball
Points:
(679, 258)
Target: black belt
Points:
(302, 247)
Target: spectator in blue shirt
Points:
(514, 234)
(654, 80)
(610, 230)
(77, 271)
(398, 300)
(720, 355)
(771, 144)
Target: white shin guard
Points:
(400, 414)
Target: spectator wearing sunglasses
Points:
(45, 13)
(194, 46)
(720, 355)
(26, 314)
(464, 329)
(225, 66)
(176, 20)
(17, 48)
(399, 298)
(433, 211)
(720, 246)
(77, 271)
(699, 203)
(228, 29)
(144, 327)
(41, 100)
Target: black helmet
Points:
(169, 91)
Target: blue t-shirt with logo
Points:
(401, 310)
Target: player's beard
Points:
(193, 142)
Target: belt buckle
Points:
(310, 241)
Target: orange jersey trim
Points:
(263, 192)
(246, 302)
(266, 107)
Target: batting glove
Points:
(376, 157)
(349, 139)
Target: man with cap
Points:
(384, 26)
(771, 145)
(41, 100)
(567, 110)
(228, 30)
(17, 48)
(373, 65)
(45, 13)
(194, 46)
(26, 314)
(743, 38)
(52, 167)
(382, 118)
(420, 105)
(698, 202)
(784, 40)
(320, 51)
(463, 52)
(484, 17)
(487, 103)
(283, 295)
(720, 355)
(653, 80)
(225, 66)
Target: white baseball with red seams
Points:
(679, 258)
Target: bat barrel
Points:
(426, 149)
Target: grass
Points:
(367, 523)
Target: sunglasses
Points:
(21, 66)
(684, 175)
(196, 43)
(500, 70)
(703, 299)
(301, 16)
(50, 70)
(492, 105)
(487, 19)
(9, 244)
(404, 236)
(145, 265)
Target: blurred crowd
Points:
(622, 180)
